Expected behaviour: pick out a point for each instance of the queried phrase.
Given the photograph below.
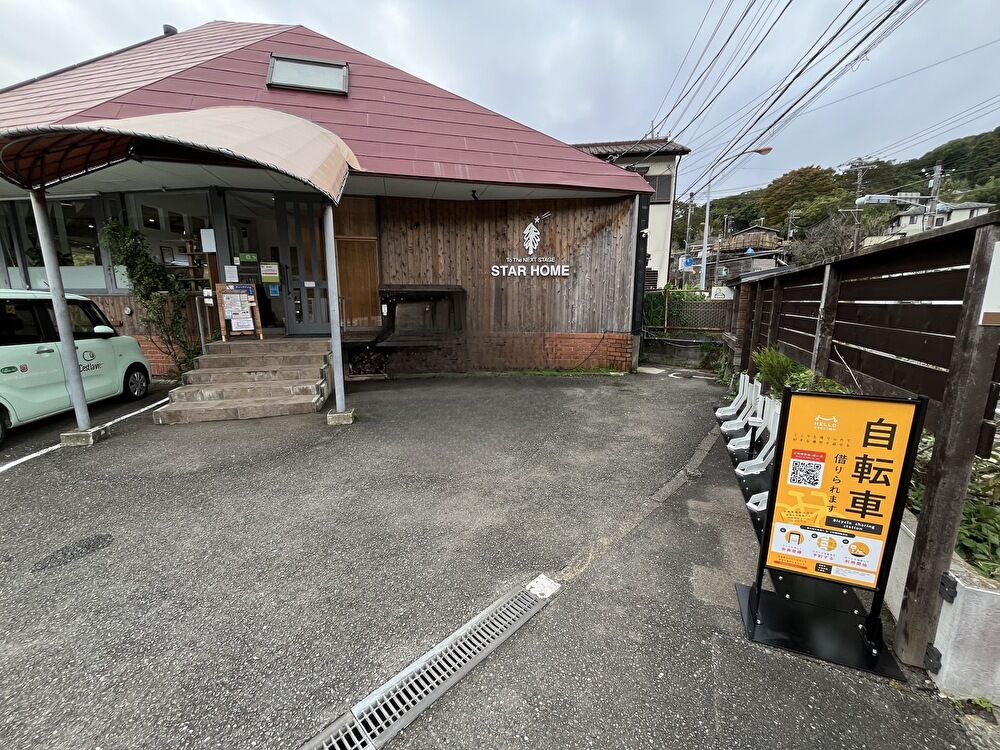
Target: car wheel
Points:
(3, 424)
(136, 382)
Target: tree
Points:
(988, 192)
(161, 297)
(800, 185)
(822, 207)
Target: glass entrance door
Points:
(300, 245)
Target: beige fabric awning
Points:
(39, 156)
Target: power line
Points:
(901, 77)
(834, 67)
(715, 59)
(686, 88)
(718, 55)
(905, 141)
(680, 67)
(656, 125)
(861, 22)
(761, 100)
(738, 70)
(763, 110)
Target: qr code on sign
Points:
(805, 473)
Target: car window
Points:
(80, 319)
(18, 323)
(97, 314)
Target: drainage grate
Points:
(344, 734)
(388, 710)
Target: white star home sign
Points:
(532, 265)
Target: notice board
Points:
(239, 314)
(843, 474)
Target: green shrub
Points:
(652, 309)
(774, 368)
(979, 532)
(807, 380)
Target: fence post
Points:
(758, 314)
(747, 327)
(666, 307)
(772, 324)
(820, 363)
(966, 394)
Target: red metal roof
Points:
(397, 124)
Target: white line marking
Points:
(134, 413)
(57, 446)
(649, 370)
(679, 376)
(36, 454)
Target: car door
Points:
(32, 382)
(95, 354)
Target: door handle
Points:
(40, 350)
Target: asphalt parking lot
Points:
(26, 439)
(241, 584)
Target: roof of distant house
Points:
(397, 124)
(969, 204)
(757, 228)
(625, 149)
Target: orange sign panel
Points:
(839, 483)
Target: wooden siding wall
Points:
(457, 242)
(357, 261)
(892, 315)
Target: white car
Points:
(32, 379)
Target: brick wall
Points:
(160, 362)
(571, 351)
(520, 351)
(544, 351)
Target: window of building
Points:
(19, 324)
(939, 221)
(175, 222)
(150, 217)
(172, 222)
(913, 219)
(663, 185)
(75, 231)
(10, 273)
(307, 73)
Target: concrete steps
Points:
(266, 359)
(250, 380)
(251, 389)
(271, 346)
(185, 412)
(255, 374)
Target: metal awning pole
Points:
(333, 293)
(67, 347)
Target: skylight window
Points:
(307, 73)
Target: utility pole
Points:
(859, 166)
(792, 216)
(687, 231)
(935, 194)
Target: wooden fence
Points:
(900, 318)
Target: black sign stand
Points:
(808, 623)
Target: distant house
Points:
(915, 219)
(757, 237)
(656, 159)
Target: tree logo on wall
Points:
(532, 235)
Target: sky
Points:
(591, 71)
